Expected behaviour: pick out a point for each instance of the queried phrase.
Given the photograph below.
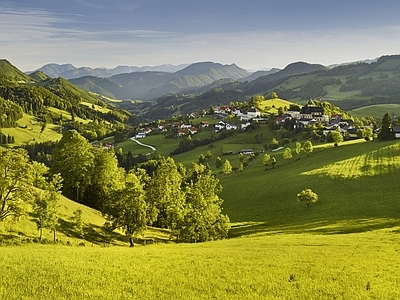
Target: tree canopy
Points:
(307, 196)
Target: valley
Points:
(345, 245)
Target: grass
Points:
(96, 107)
(290, 266)
(345, 246)
(377, 111)
(272, 105)
(29, 130)
(354, 182)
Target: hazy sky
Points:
(254, 34)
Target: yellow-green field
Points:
(29, 130)
(382, 161)
(285, 266)
(272, 105)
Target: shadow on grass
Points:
(91, 233)
(319, 227)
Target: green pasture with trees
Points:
(269, 201)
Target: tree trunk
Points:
(54, 235)
(131, 243)
(40, 234)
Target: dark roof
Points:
(311, 109)
(396, 129)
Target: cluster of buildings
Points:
(310, 114)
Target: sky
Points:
(253, 34)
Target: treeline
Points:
(158, 193)
(10, 113)
(313, 89)
(6, 139)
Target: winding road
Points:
(144, 145)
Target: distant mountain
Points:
(151, 84)
(257, 74)
(68, 71)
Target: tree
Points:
(386, 131)
(227, 167)
(208, 155)
(16, 182)
(45, 206)
(337, 136)
(266, 159)
(368, 133)
(73, 158)
(307, 196)
(106, 178)
(78, 221)
(273, 162)
(298, 148)
(287, 154)
(203, 220)
(218, 162)
(164, 195)
(127, 209)
(274, 143)
(274, 95)
(202, 159)
(308, 147)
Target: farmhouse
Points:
(140, 135)
(396, 131)
(246, 151)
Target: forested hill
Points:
(152, 84)
(347, 86)
(56, 101)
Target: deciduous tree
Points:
(73, 158)
(203, 220)
(227, 167)
(127, 209)
(307, 196)
(266, 159)
(16, 182)
(287, 154)
(308, 147)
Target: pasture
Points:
(280, 266)
(30, 130)
(377, 111)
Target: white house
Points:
(140, 135)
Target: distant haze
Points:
(253, 34)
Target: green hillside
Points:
(354, 182)
(39, 108)
(376, 111)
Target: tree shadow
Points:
(325, 227)
(91, 233)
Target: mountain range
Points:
(199, 85)
(153, 84)
(68, 71)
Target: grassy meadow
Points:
(345, 246)
(285, 266)
(377, 111)
(29, 130)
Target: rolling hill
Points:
(45, 106)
